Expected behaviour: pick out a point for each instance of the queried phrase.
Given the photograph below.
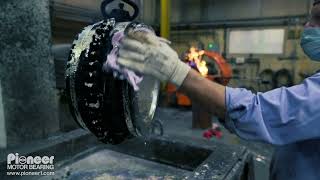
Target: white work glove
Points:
(150, 55)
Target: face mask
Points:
(310, 43)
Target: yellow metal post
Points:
(165, 25)
(165, 19)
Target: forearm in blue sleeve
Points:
(281, 116)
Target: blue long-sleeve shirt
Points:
(281, 116)
(286, 116)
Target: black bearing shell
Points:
(106, 106)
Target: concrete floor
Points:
(179, 122)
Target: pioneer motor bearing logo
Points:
(29, 165)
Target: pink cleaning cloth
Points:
(111, 65)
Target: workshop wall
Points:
(183, 40)
(213, 10)
(195, 11)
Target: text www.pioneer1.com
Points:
(31, 173)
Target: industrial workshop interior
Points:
(160, 89)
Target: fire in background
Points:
(195, 59)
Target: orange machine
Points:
(225, 70)
(223, 77)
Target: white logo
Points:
(15, 162)
(16, 159)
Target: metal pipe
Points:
(165, 19)
(273, 21)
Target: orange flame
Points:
(196, 56)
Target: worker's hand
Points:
(150, 55)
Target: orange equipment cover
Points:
(224, 67)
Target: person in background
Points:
(286, 117)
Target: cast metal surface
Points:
(106, 106)
(120, 15)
